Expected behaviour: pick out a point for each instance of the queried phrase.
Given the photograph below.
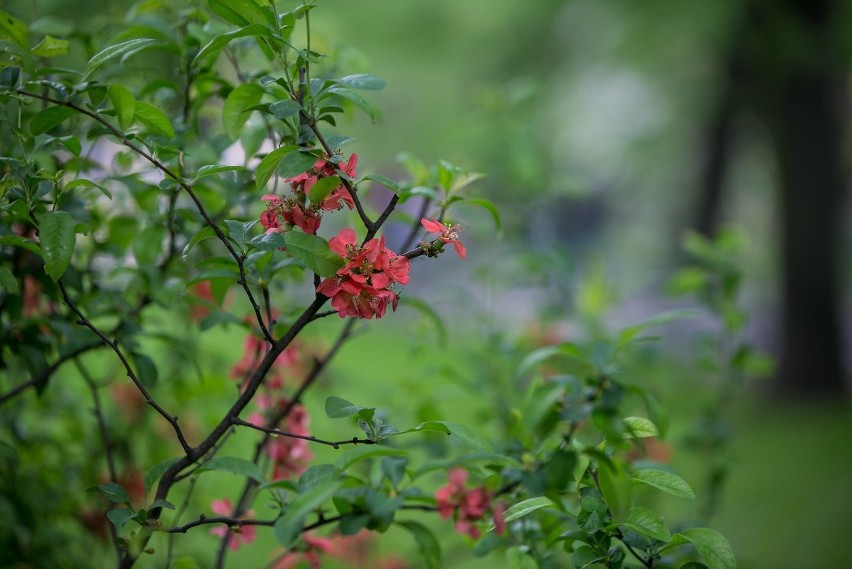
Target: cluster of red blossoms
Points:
(468, 506)
(282, 214)
(362, 288)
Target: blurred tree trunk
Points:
(788, 62)
(802, 72)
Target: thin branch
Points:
(83, 321)
(415, 227)
(649, 563)
(333, 444)
(40, 379)
(372, 230)
(182, 183)
(230, 522)
(324, 313)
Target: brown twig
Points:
(313, 439)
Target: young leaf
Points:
(665, 481)
(269, 163)
(234, 465)
(156, 471)
(313, 251)
(238, 101)
(615, 487)
(124, 103)
(114, 492)
(153, 119)
(56, 231)
(14, 30)
(241, 12)
(49, 118)
(211, 51)
(323, 188)
(285, 108)
(113, 51)
(8, 282)
(362, 81)
(383, 180)
(211, 169)
(649, 523)
(488, 206)
(640, 428)
(200, 236)
(296, 163)
(427, 544)
(526, 507)
(120, 517)
(337, 408)
(87, 184)
(357, 99)
(51, 47)
(288, 526)
(711, 545)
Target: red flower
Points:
(446, 233)
(236, 535)
(362, 287)
(467, 506)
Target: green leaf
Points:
(665, 481)
(383, 180)
(430, 313)
(313, 251)
(121, 516)
(288, 527)
(234, 465)
(147, 373)
(51, 47)
(362, 81)
(156, 471)
(87, 184)
(238, 101)
(114, 492)
(488, 206)
(154, 119)
(565, 351)
(517, 558)
(8, 282)
(23, 243)
(295, 163)
(285, 108)
(615, 487)
(269, 163)
(124, 48)
(526, 507)
(160, 503)
(56, 232)
(584, 556)
(464, 434)
(640, 428)
(357, 99)
(214, 47)
(711, 545)
(427, 544)
(124, 102)
(337, 408)
(204, 233)
(14, 30)
(649, 523)
(211, 169)
(629, 333)
(49, 118)
(358, 454)
(241, 12)
(323, 188)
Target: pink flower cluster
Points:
(253, 351)
(362, 288)
(236, 535)
(282, 214)
(468, 506)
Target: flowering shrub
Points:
(127, 232)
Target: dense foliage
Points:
(189, 179)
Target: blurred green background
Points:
(606, 128)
